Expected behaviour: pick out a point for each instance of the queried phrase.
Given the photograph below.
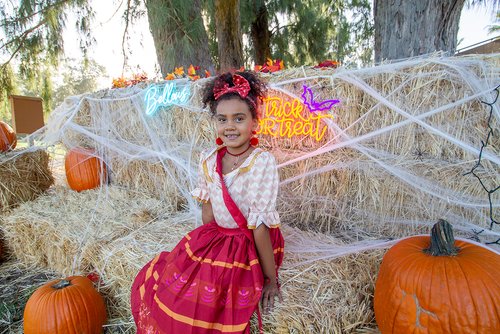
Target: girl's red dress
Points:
(211, 282)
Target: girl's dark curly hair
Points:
(257, 92)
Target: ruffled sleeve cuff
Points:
(271, 219)
(201, 195)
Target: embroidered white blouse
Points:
(253, 187)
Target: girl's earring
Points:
(254, 141)
(219, 141)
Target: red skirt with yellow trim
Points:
(211, 282)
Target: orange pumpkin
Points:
(438, 285)
(84, 170)
(8, 138)
(69, 306)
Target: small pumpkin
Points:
(84, 170)
(70, 306)
(438, 285)
(8, 138)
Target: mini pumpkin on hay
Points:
(67, 306)
(84, 170)
(8, 138)
(438, 285)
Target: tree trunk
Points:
(179, 34)
(411, 28)
(261, 37)
(227, 25)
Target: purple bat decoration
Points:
(313, 106)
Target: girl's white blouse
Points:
(253, 187)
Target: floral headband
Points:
(241, 87)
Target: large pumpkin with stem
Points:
(67, 306)
(438, 285)
(8, 138)
(84, 170)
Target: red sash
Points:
(233, 209)
(277, 240)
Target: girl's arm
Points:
(266, 258)
(207, 215)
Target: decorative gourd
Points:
(8, 138)
(438, 285)
(68, 306)
(84, 170)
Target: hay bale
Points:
(384, 162)
(24, 175)
(400, 181)
(333, 296)
(115, 232)
(63, 230)
(160, 179)
(120, 261)
(327, 296)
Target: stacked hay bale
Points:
(78, 233)
(390, 175)
(115, 232)
(24, 175)
(391, 163)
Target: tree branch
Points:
(24, 35)
(127, 14)
(55, 4)
(16, 50)
(276, 29)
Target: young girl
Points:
(212, 281)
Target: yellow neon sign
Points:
(284, 118)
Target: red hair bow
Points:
(241, 86)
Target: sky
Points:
(109, 26)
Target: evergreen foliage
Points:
(300, 32)
(32, 37)
(310, 31)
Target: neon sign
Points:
(165, 95)
(308, 97)
(284, 118)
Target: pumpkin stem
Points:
(61, 284)
(442, 240)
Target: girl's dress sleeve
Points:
(200, 193)
(263, 192)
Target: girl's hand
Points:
(269, 292)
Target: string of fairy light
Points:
(484, 144)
